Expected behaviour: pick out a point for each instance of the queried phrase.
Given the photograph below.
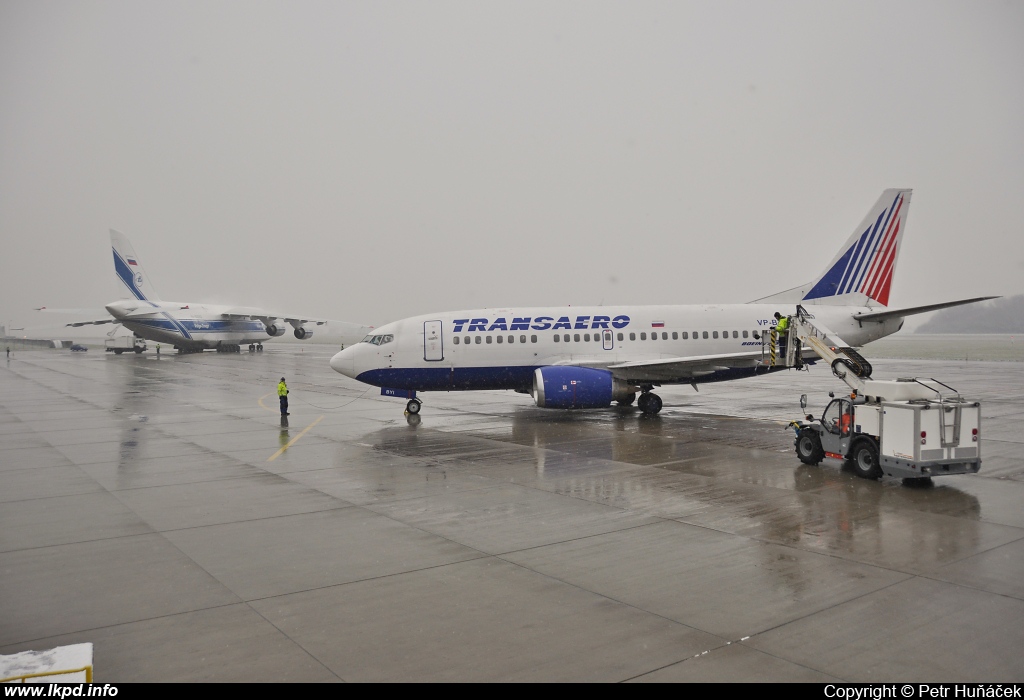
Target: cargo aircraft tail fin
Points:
(129, 269)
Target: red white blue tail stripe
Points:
(866, 267)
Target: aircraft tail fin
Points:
(862, 270)
(129, 269)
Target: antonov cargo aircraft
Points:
(587, 357)
(192, 327)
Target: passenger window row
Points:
(697, 335)
(596, 337)
(492, 338)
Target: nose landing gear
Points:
(413, 407)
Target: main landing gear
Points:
(413, 407)
(648, 402)
(229, 347)
(255, 347)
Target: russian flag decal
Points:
(657, 324)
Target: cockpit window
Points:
(378, 339)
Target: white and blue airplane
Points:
(194, 327)
(587, 357)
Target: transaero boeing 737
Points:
(587, 357)
(192, 327)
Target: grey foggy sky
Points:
(375, 160)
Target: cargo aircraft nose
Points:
(344, 363)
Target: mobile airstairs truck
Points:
(912, 429)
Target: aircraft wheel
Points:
(649, 403)
(628, 401)
(864, 460)
(808, 447)
(259, 348)
(413, 407)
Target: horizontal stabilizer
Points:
(910, 311)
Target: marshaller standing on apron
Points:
(282, 393)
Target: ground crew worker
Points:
(158, 349)
(282, 393)
(782, 327)
(781, 322)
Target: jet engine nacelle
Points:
(275, 331)
(303, 333)
(577, 387)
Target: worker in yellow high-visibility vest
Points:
(782, 328)
(282, 394)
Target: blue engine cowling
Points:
(275, 331)
(577, 387)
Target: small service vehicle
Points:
(927, 434)
(79, 348)
(906, 428)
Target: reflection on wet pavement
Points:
(487, 539)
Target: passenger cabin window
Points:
(533, 338)
(489, 340)
(735, 334)
(558, 338)
(685, 335)
(675, 335)
(744, 334)
(632, 336)
(576, 337)
(478, 340)
(714, 334)
(512, 339)
(501, 339)
(620, 336)
(565, 337)
(643, 336)
(455, 340)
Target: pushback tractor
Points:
(909, 428)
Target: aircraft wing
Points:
(684, 368)
(911, 310)
(100, 322)
(254, 314)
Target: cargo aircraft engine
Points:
(303, 333)
(578, 387)
(274, 331)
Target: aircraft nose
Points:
(343, 363)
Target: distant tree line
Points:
(997, 316)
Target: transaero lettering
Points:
(540, 323)
(923, 690)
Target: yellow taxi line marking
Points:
(263, 405)
(294, 440)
